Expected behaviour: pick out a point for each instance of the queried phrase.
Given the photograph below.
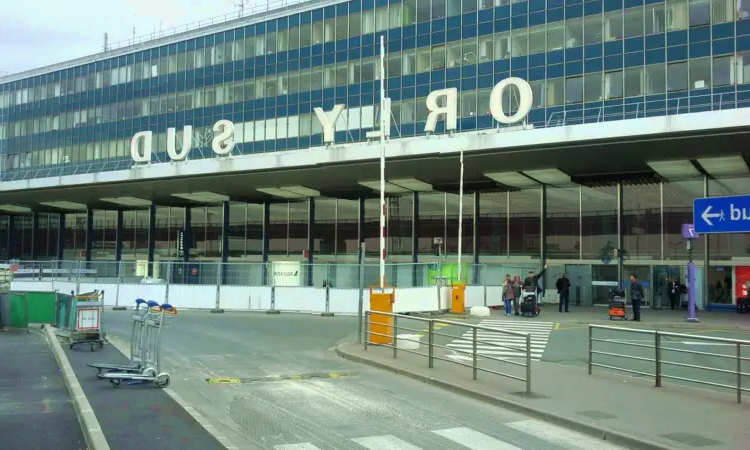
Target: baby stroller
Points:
(617, 305)
(529, 304)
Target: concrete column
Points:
(34, 231)
(224, 240)
(620, 240)
(266, 238)
(417, 274)
(543, 228)
(310, 239)
(475, 239)
(361, 220)
(151, 238)
(187, 236)
(706, 250)
(118, 234)
(89, 242)
(11, 239)
(60, 237)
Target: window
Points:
(438, 58)
(468, 104)
(520, 44)
(573, 33)
(633, 22)
(502, 45)
(613, 85)
(537, 42)
(676, 15)
(743, 68)
(613, 25)
(634, 82)
(342, 27)
(593, 87)
(700, 73)
(574, 90)
(555, 36)
(592, 29)
(700, 12)
(454, 55)
(677, 79)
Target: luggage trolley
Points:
(617, 305)
(155, 320)
(529, 303)
(89, 308)
(136, 341)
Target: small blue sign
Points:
(722, 214)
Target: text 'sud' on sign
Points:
(722, 214)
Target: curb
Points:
(602, 433)
(92, 431)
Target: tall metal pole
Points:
(382, 161)
(460, 213)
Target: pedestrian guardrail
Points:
(652, 356)
(392, 334)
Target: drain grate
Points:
(693, 440)
(275, 378)
(597, 415)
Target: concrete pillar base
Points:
(217, 311)
(326, 314)
(273, 311)
(119, 308)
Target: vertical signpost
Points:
(721, 215)
(689, 234)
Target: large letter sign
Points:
(143, 156)
(526, 98)
(449, 109)
(187, 142)
(223, 142)
(328, 121)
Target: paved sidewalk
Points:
(35, 409)
(650, 318)
(628, 411)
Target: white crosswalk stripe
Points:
(475, 440)
(560, 436)
(501, 345)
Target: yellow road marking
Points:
(557, 325)
(223, 381)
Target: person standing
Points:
(508, 294)
(636, 296)
(532, 281)
(673, 290)
(517, 283)
(563, 288)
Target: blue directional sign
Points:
(722, 214)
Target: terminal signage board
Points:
(441, 104)
(722, 214)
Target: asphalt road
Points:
(294, 392)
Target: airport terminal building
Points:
(588, 128)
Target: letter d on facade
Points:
(141, 155)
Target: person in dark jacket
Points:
(533, 280)
(636, 296)
(563, 288)
(673, 290)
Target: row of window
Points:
(635, 81)
(674, 15)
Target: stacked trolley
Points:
(145, 358)
(87, 310)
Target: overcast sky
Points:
(36, 33)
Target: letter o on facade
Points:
(524, 102)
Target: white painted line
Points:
(304, 446)
(534, 355)
(560, 436)
(474, 440)
(386, 442)
(500, 345)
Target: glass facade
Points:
(587, 61)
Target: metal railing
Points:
(431, 333)
(652, 352)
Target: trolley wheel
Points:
(92, 347)
(162, 382)
(115, 382)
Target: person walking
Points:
(517, 283)
(636, 296)
(673, 289)
(508, 294)
(563, 288)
